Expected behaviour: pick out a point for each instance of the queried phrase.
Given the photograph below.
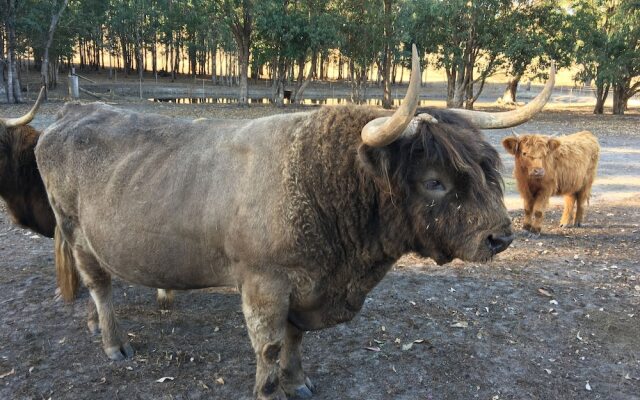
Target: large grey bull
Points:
(305, 213)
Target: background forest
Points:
(291, 42)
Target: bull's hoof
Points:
(119, 353)
(279, 395)
(577, 225)
(526, 227)
(304, 391)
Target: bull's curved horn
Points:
(515, 134)
(25, 119)
(384, 130)
(507, 119)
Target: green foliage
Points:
(608, 48)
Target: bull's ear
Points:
(553, 144)
(375, 161)
(510, 144)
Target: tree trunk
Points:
(451, 84)
(602, 91)
(387, 102)
(13, 83)
(44, 70)
(509, 95)
(296, 97)
(619, 98)
(3, 65)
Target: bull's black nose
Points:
(499, 243)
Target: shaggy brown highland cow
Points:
(550, 166)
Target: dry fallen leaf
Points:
(578, 336)
(220, 381)
(13, 371)
(460, 324)
(587, 386)
(407, 346)
(372, 348)
(544, 292)
(165, 378)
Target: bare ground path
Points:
(550, 318)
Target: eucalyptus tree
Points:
(608, 49)
(238, 16)
(362, 37)
(467, 38)
(538, 32)
(8, 12)
(290, 33)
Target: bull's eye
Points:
(435, 185)
(524, 154)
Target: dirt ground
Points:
(553, 317)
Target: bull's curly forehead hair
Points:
(454, 143)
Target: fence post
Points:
(74, 86)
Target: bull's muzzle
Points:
(499, 243)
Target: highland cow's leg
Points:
(567, 214)
(165, 299)
(583, 196)
(528, 210)
(293, 380)
(98, 281)
(539, 206)
(265, 304)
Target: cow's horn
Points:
(384, 130)
(507, 119)
(25, 119)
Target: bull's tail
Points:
(66, 273)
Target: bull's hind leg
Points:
(165, 299)
(265, 303)
(292, 375)
(567, 214)
(98, 281)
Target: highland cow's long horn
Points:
(384, 130)
(25, 119)
(507, 119)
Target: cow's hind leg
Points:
(98, 281)
(583, 197)
(292, 375)
(567, 214)
(265, 304)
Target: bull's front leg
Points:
(293, 380)
(540, 204)
(265, 304)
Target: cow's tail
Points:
(66, 272)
